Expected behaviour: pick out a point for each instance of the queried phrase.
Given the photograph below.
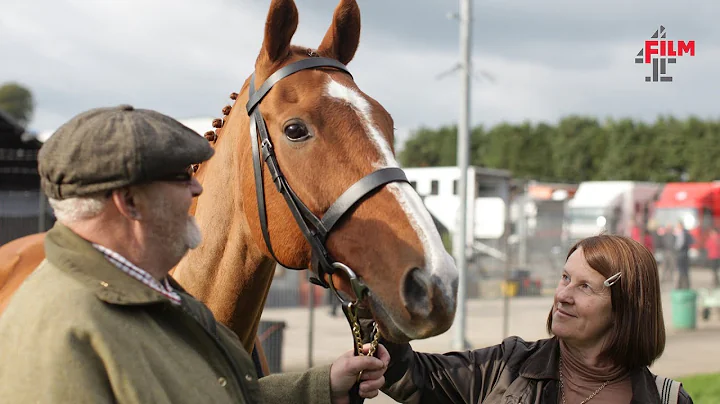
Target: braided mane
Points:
(217, 123)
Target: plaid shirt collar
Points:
(140, 274)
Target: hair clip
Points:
(612, 280)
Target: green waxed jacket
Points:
(79, 330)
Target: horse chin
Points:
(385, 323)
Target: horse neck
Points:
(227, 271)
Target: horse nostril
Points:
(415, 292)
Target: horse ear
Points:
(342, 38)
(280, 26)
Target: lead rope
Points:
(350, 310)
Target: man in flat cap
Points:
(100, 320)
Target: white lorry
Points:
(608, 206)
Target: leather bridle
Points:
(315, 230)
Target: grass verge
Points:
(704, 389)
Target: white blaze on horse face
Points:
(438, 262)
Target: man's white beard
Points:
(168, 233)
(193, 236)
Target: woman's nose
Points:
(564, 294)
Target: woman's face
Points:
(582, 314)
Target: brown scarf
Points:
(580, 381)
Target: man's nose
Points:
(195, 187)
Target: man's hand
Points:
(344, 372)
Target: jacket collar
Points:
(78, 258)
(644, 387)
(545, 364)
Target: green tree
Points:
(504, 148)
(702, 154)
(579, 145)
(430, 148)
(523, 149)
(17, 101)
(630, 154)
(478, 143)
(541, 153)
(580, 148)
(669, 144)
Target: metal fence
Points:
(294, 310)
(23, 208)
(23, 212)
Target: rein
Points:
(315, 230)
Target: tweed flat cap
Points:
(108, 148)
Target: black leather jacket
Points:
(515, 371)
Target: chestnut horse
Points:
(323, 136)
(18, 259)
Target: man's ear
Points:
(124, 200)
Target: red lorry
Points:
(696, 204)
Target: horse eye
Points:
(296, 131)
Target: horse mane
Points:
(218, 123)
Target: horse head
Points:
(326, 135)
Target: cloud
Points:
(183, 58)
(172, 56)
(536, 91)
(550, 32)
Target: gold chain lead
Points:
(358, 336)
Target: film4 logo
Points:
(660, 52)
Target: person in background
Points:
(607, 327)
(712, 246)
(333, 302)
(683, 241)
(642, 235)
(636, 230)
(100, 320)
(669, 259)
(649, 241)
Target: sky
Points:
(548, 59)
